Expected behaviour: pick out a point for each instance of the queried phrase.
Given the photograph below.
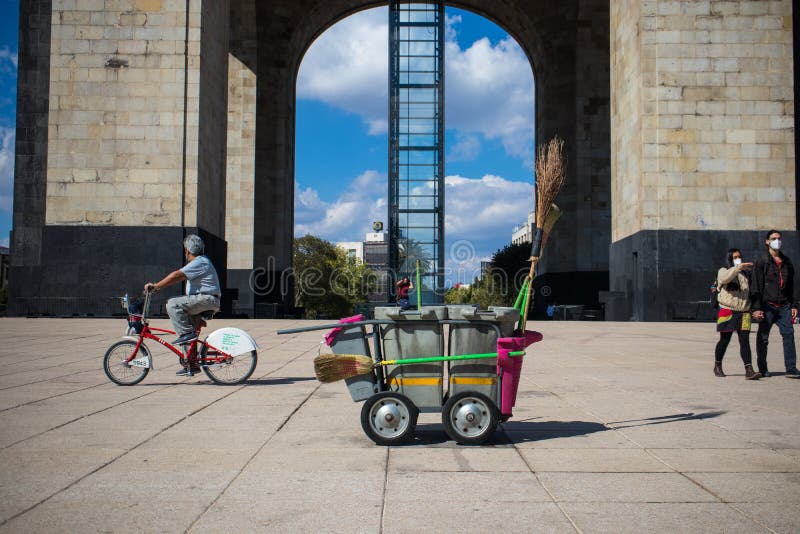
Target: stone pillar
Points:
(135, 155)
(240, 200)
(273, 233)
(702, 123)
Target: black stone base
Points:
(83, 269)
(573, 288)
(664, 275)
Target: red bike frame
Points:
(147, 332)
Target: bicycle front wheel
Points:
(233, 370)
(116, 368)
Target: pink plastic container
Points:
(510, 368)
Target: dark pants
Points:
(782, 316)
(744, 346)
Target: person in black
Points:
(774, 301)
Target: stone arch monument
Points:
(142, 120)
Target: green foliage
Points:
(458, 295)
(326, 280)
(500, 284)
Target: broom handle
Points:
(531, 274)
(450, 358)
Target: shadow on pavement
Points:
(523, 431)
(277, 381)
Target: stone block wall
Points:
(706, 140)
(116, 150)
(241, 164)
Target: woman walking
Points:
(734, 312)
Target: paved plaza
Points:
(619, 427)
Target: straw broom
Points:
(550, 178)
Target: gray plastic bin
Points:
(478, 375)
(353, 340)
(414, 334)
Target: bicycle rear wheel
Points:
(120, 372)
(233, 370)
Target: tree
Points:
(327, 281)
(500, 284)
(411, 250)
(512, 264)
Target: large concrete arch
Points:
(568, 48)
(122, 145)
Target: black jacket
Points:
(765, 286)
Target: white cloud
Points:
(489, 88)
(6, 55)
(466, 148)
(480, 214)
(6, 169)
(490, 91)
(347, 67)
(349, 216)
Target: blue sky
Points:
(8, 103)
(341, 157)
(341, 133)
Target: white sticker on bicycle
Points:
(140, 362)
(232, 341)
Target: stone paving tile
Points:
(258, 513)
(450, 486)
(594, 460)
(639, 517)
(623, 487)
(776, 516)
(753, 487)
(727, 460)
(460, 459)
(474, 512)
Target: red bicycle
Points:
(228, 356)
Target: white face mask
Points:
(775, 244)
(737, 261)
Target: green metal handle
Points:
(450, 358)
(419, 289)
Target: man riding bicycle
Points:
(202, 290)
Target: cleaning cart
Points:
(458, 360)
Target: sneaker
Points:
(765, 373)
(793, 373)
(185, 338)
(749, 374)
(184, 371)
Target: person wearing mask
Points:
(774, 302)
(734, 312)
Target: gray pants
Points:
(184, 311)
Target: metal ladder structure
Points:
(416, 144)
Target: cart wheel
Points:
(469, 418)
(388, 418)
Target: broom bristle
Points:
(550, 177)
(335, 367)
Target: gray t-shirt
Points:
(202, 277)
